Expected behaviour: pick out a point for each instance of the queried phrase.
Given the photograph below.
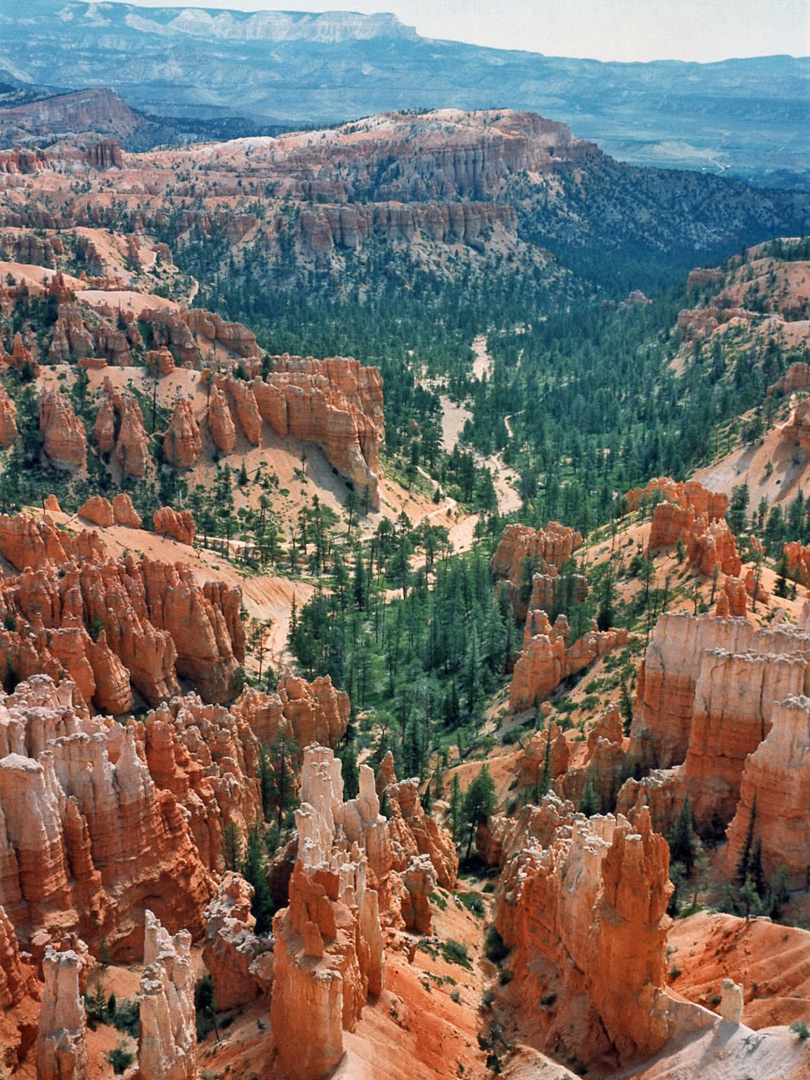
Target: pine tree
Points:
(589, 803)
(253, 871)
(455, 806)
(682, 840)
(479, 803)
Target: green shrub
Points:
(495, 947)
(120, 1058)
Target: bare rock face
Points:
(182, 441)
(328, 943)
(30, 542)
(231, 948)
(157, 621)
(414, 833)
(62, 432)
(119, 427)
(335, 403)
(99, 822)
(797, 428)
(710, 544)
(220, 421)
(546, 660)
(61, 1046)
(666, 688)
(603, 764)
(419, 880)
(774, 791)
(167, 1038)
(313, 712)
(553, 546)
(160, 361)
(583, 903)
(179, 524)
(689, 494)
(797, 377)
(8, 420)
(98, 510)
(124, 512)
(18, 1025)
(246, 409)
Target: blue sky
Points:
(701, 30)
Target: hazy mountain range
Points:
(749, 117)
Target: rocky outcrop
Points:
(775, 792)
(414, 833)
(31, 541)
(99, 822)
(152, 616)
(603, 766)
(690, 494)
(8, 420)
(552, 546)
(179, 524)
(167, 1037)
(98, 510)
(797, 377)
(419, 880)
(182, 441)
(596, 951)
(62, 432)
(18, 986)
(666, 687)
(231, 947)
(546, 659)
(119, 427)
(335, 403)
(220, 421)
(307, 712)
(710, 544)
(247, 410)
(797, 427)
(62, 1045)
(160, 361)
(124, 512)
(328, 943)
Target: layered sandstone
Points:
(119, 427)
(603, 765)
(552, 546)
(220, 421)
(153, 617)
(583, 904)
(124, 512)
(797, 427)
(546, 658)
(98, 510)
(8, 420)
(182, 441)
(313, 712)
(99, 822)
(29, 542)
(666, 687)
(414, 833)
(335, 403)
(328, 943)
(247, 411)
(63, 439)
(234, 955)
(710, 544)
(179, 524)
(689, 494)
(167, 1038)
(775, 792)
(62, 1042)
(797, 377)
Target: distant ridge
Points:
(747, 117)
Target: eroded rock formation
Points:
(182, 441)
(179, 524)
(775, 791)
(583, 903)
(119, 427)
(335, 403)
(220, 421)
(8, 420)
(167, 1037)
(239, 962)
(62, 1042)
(547, 659)
(797, 427)
(328, 943)
(63, 439)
